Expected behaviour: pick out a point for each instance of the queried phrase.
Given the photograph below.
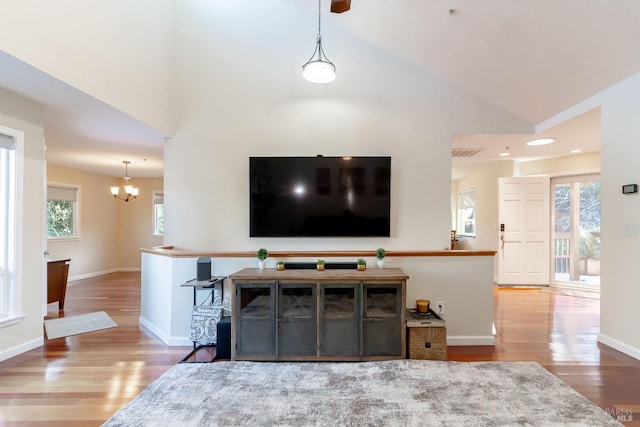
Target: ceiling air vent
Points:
(465, 152)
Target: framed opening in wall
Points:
(467, 213)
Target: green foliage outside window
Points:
(589, 210)
(159, 217)
(59, 218)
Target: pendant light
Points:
(318, 68)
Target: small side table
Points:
(426, 336)
(205, 285)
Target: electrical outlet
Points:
(440, 307)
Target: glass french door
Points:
(576, 231)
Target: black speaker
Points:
(223, 331)
(204, 269)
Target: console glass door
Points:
(339, 329)
(381, 319)
(256, 319)
(297, 320)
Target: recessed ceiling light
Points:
(541, 141)
(505, 154)
(577, 150)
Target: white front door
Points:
(523, 254)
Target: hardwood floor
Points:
(560, 332)
(82, 380)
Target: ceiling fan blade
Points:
(339, 6)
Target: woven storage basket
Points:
(427, 343)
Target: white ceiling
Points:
(81, 132)
(580, 133)
(532, 59)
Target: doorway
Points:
(524, 231)
(575, 225)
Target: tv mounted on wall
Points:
(320, 196)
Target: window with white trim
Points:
(467, 213)
(63, 213)
(158, 213)
(10, 293)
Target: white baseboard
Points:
(22, 348)
(471, 340)
(168, 340)
(620, 346)
(100, 273)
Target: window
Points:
(62, 212)
(158, 213)
(467, 213)
(576, 230)
(11, 142)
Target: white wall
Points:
(112, 232)
(24, 115)
(462, 283)
(227, 113)
(95, 250)
(135, 223)
(485, 182)
(567, 165)
(117, 51)
(620, 293)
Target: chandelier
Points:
(128, 191)
(318, 68)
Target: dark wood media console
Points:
(318, 315)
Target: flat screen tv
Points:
(320, 196)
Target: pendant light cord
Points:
(319, 20)
(319, 15)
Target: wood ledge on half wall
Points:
(173, 252)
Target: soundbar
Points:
(327, 265)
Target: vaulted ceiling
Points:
(532, 59)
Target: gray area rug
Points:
(79, 324)
(390, 393)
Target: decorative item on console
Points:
(320, 265)
(362, 264)
(380, 254)
(280, 266)
(422, 305)
(262, 256)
